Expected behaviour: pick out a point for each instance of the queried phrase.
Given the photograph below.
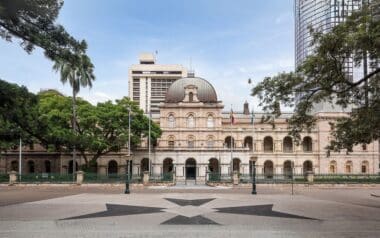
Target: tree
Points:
(33, 22)
(104, 128)
(18, 116)
(78, 73)
(321, 78)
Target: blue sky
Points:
(228, 41)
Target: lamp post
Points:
(253, 162)
(129, 153)
(292, 163)
(127, 180)
(254, 177)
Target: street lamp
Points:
(129, 152)
(292, 163)
(254, 177)
(253, 162)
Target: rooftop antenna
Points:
(190, 73)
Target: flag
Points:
(232, 117)
(252, 117)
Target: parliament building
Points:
(200, 135)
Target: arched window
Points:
(47, 166)
(171, 142)
(348, 167)
(171, 121)
(112, 167)
(364, 147)
(167, 165)
(248, 142)
(190, 121)
(210, 121)
(268, 144)
(307, 166)
(288, 169)
(145, 163)
(268, 169)
(213, 165)
(332, 167)
(71, 164)
(31, 166)
(307, 144)
(210, 141)
(365, 167)
(191, 97)
(287, 144)
(190, 142)
(14, 166)
(236, 164)
(229, 141)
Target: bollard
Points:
(80, 177)
(12, 177)
(146, 178)
(235, 178)
(310, 177)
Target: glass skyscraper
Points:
(321, 15)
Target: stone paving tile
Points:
(345, 213)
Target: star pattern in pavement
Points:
(189, 212)
(119, 210)
(258, 210)
(194, 202)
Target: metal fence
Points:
(210, 177)
(295, 178)
(4, 178)
(45, 178)
(161, 178)
(347, 178)
(110, 178)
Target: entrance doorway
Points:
(191, 169)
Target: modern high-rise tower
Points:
(321, 15)
(148, 81)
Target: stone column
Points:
(146, 178)
(12, 177)
(235, 178)
(102, 170)
(122, 169)
(157, 169)
(135, 169)
(310, 177)
(80, 176)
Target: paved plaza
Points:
(62, 211)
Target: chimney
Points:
(246, 108)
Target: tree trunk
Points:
(74, 128)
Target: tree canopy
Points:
(322, 78)
(46, 118)
(33, 22)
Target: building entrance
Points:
(191, 169)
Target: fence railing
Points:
(296, 178)
(347, 178)
(4, 178)
(45, 178)
(110, 178)
(161, 178)
(210, 177)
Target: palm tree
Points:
(79, 73)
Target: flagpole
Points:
(253, 129)
(231, 142)
(20, 160)
(150, 163)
